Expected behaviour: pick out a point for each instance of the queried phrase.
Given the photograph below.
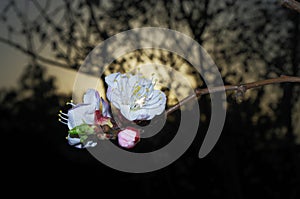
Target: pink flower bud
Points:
(128, 137)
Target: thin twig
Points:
(240, 88)
(31, 53)
(103, 34)
(291, 4)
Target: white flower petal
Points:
(109, 92)
(110, 79)
(157, 99)
(85, 112)
(73, 141)
(90, 144)
(76, 142)
(80, 114)
(105, 108)
(132, 80)
(135, 96)
(92, 97)
(125, 111)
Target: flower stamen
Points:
(135, 95)
(66, 123)
(62, 117)
(70, 103)
(63, 113)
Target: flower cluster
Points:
(131, 98)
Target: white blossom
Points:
(135, 96)
(82, 113)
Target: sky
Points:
(13, 62)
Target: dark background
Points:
(257, 154)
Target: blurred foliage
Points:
(249, 40)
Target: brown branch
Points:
(239, 88)
(291, 4)
(31, 53)
(95, 21)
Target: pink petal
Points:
(128, 137)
